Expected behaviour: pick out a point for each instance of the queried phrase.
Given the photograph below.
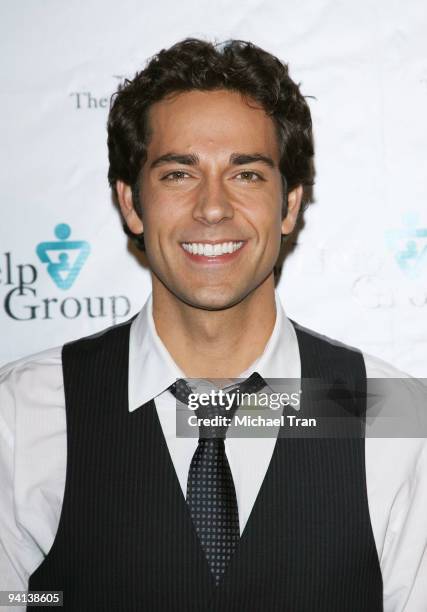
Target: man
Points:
(210, 160)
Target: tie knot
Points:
(217, 408)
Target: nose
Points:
(213, 203)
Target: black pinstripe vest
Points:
(125, 540)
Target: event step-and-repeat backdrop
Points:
(359, 269)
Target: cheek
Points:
(265, 217)
(161, 223)
(156, 210)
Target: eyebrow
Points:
(240, 159)
(192, 159)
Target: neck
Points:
(215, 343)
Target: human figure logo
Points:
(409, 246)
(64, 258)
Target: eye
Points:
(249, 176)
(176, 175)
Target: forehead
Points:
(210, 121)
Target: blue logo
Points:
(64, 258)
(409, 246)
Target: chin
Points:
(213, 298)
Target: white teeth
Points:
(211, 250)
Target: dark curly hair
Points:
(197, 64)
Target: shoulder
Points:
(98, 341)
(315, 340)
(327, 358)
(397, 408)
(379, 368)
(27, 383)
(40, 375)
(375, 366)
(31, 367)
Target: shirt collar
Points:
(152, 369)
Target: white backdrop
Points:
(360, 268)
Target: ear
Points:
(294, 205)
(133, 221)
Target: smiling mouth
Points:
(208, 249)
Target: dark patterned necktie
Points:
(211, 495)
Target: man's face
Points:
(211, 197)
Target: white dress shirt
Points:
(33, 458)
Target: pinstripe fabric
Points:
(125, 540)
